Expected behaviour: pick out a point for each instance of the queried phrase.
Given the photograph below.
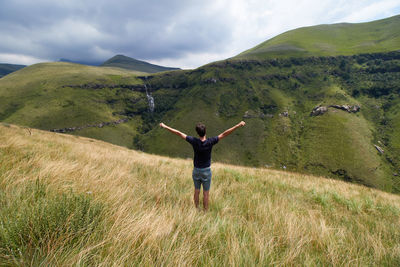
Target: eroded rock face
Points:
(251, 115)
(380, 150)
(318, 110)
(96, 86)
(348, 108)
(284, 114)
(210, 80)
(99, 125)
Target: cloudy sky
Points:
(176, 33)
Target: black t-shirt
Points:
(202, 150)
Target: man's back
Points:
(202, 150)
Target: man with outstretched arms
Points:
(202, 148)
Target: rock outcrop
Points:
(97, 86)
(318, 110)
(284, 114)
(348, 108)
(380, 150)
(210, 80)
(251, 115)
(99, 125)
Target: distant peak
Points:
(125, 62)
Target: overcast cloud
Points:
(174, 33)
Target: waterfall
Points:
(149, 98)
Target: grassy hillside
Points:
(9, 68)
(59, 95)
(68, 200)
(124, 62)
(331, 40)
(274, 97)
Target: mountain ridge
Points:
(6, 68)
(88, 63)
(331, 40)
(121, 61)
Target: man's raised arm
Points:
(229, 131)
(172, 130)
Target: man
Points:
(202, 158)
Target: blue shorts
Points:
(202, 177)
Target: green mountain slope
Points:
(124, 62)
(64, 95)
(332, 40)
(356, 137)
(276, 98)
(9, 68)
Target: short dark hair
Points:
(201, 129)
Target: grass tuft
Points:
(36, 225)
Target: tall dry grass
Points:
(147, 217)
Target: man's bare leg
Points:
(205, 199)
(196, 197)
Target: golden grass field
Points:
(110, 206)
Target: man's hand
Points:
(172, 130)
(229, 131)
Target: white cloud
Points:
(74, 31)
(99, 52)
(184, 34)
(191, 60)
(20, 59)
(253, 22)
(374, 10)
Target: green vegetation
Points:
(124, 62)
(331, 40)
(275, 96)
(9, 68)
(38, 223)
(68, 200)
(60, 95)
(32, 218)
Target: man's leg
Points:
(205, 199)
(197, 187)
(196, 197)
(206, 188)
